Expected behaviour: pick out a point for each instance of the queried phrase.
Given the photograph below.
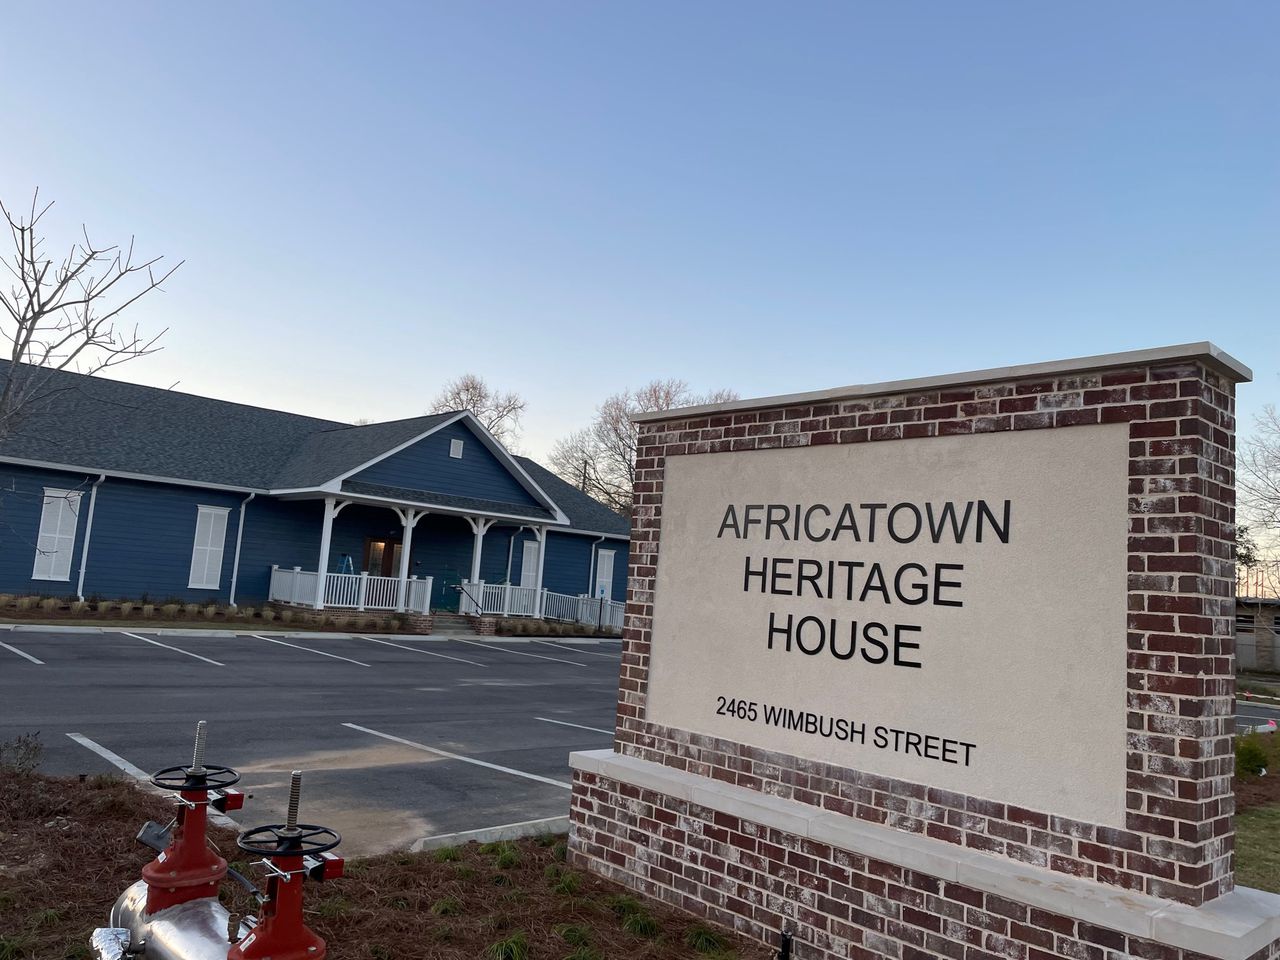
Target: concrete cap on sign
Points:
(1204, 351)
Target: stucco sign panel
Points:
(947, 611)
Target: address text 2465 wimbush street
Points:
(926, 746)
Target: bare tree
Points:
(499, 412)
(64, 314)
(1259, 473)
(600, 459)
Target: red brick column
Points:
(1178, 836)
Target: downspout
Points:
(235, 564)
(591, 573)
(511, 549)
(88, 532)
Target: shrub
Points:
(148, 609)
(50, 604)
(622, 904)
(268, 614)
(26, 603)
(170, 611)
(1251, 755)
(21, 755)
(209, 611)
(190, 609)
(560, 851)
(126, 609)
(6, 599)
(514, 947)
(245, 613)
(79, 606)
(705, 940)
(286, 616)
(105, 606)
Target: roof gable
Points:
(427, 464)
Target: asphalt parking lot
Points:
(400, 738)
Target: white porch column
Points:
(326, 536)
(541, 534)
(479, 526)
(408, 520)
(332, 507)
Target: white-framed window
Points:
(57, 539)
(206, 552)
(455, 449)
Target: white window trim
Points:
(67, 498)
(201, 553)
(455, 448)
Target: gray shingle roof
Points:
(107, 425)
(584, 512)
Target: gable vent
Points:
(455, 449)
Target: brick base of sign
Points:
(486, 626)
(640, 829)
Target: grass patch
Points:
(641, 923)
(14, 947)
(573, 935)
(585, 952)
(1258, 848)
(447, 907)
(705, 940)
(514, 947)
(569, 884)
(446, 855)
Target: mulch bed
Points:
(67, 851)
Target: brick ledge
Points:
(1231, 927)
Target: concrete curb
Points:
(507, 831)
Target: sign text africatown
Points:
(912, 609)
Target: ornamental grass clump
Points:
(514, 947)
(170, 611)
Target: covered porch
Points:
(379, 554)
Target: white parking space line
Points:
(429, 653)
(590, 653)
(221, 819)
(536, 656)
(308, 649)
(566, 723)
(25, 656)
(174, 649)
(113, 758)
(455, 756)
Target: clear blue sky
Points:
(570, 198)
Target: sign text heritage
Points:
(919, 610)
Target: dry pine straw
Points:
(67, 851)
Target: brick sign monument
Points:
(938, 668)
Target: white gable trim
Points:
(483, 435)
(372, 500)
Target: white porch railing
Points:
(509, 600)
(350, 591)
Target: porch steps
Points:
(452, 623)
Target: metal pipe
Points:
(235, 565)
(88, 532)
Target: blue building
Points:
(112, 489)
